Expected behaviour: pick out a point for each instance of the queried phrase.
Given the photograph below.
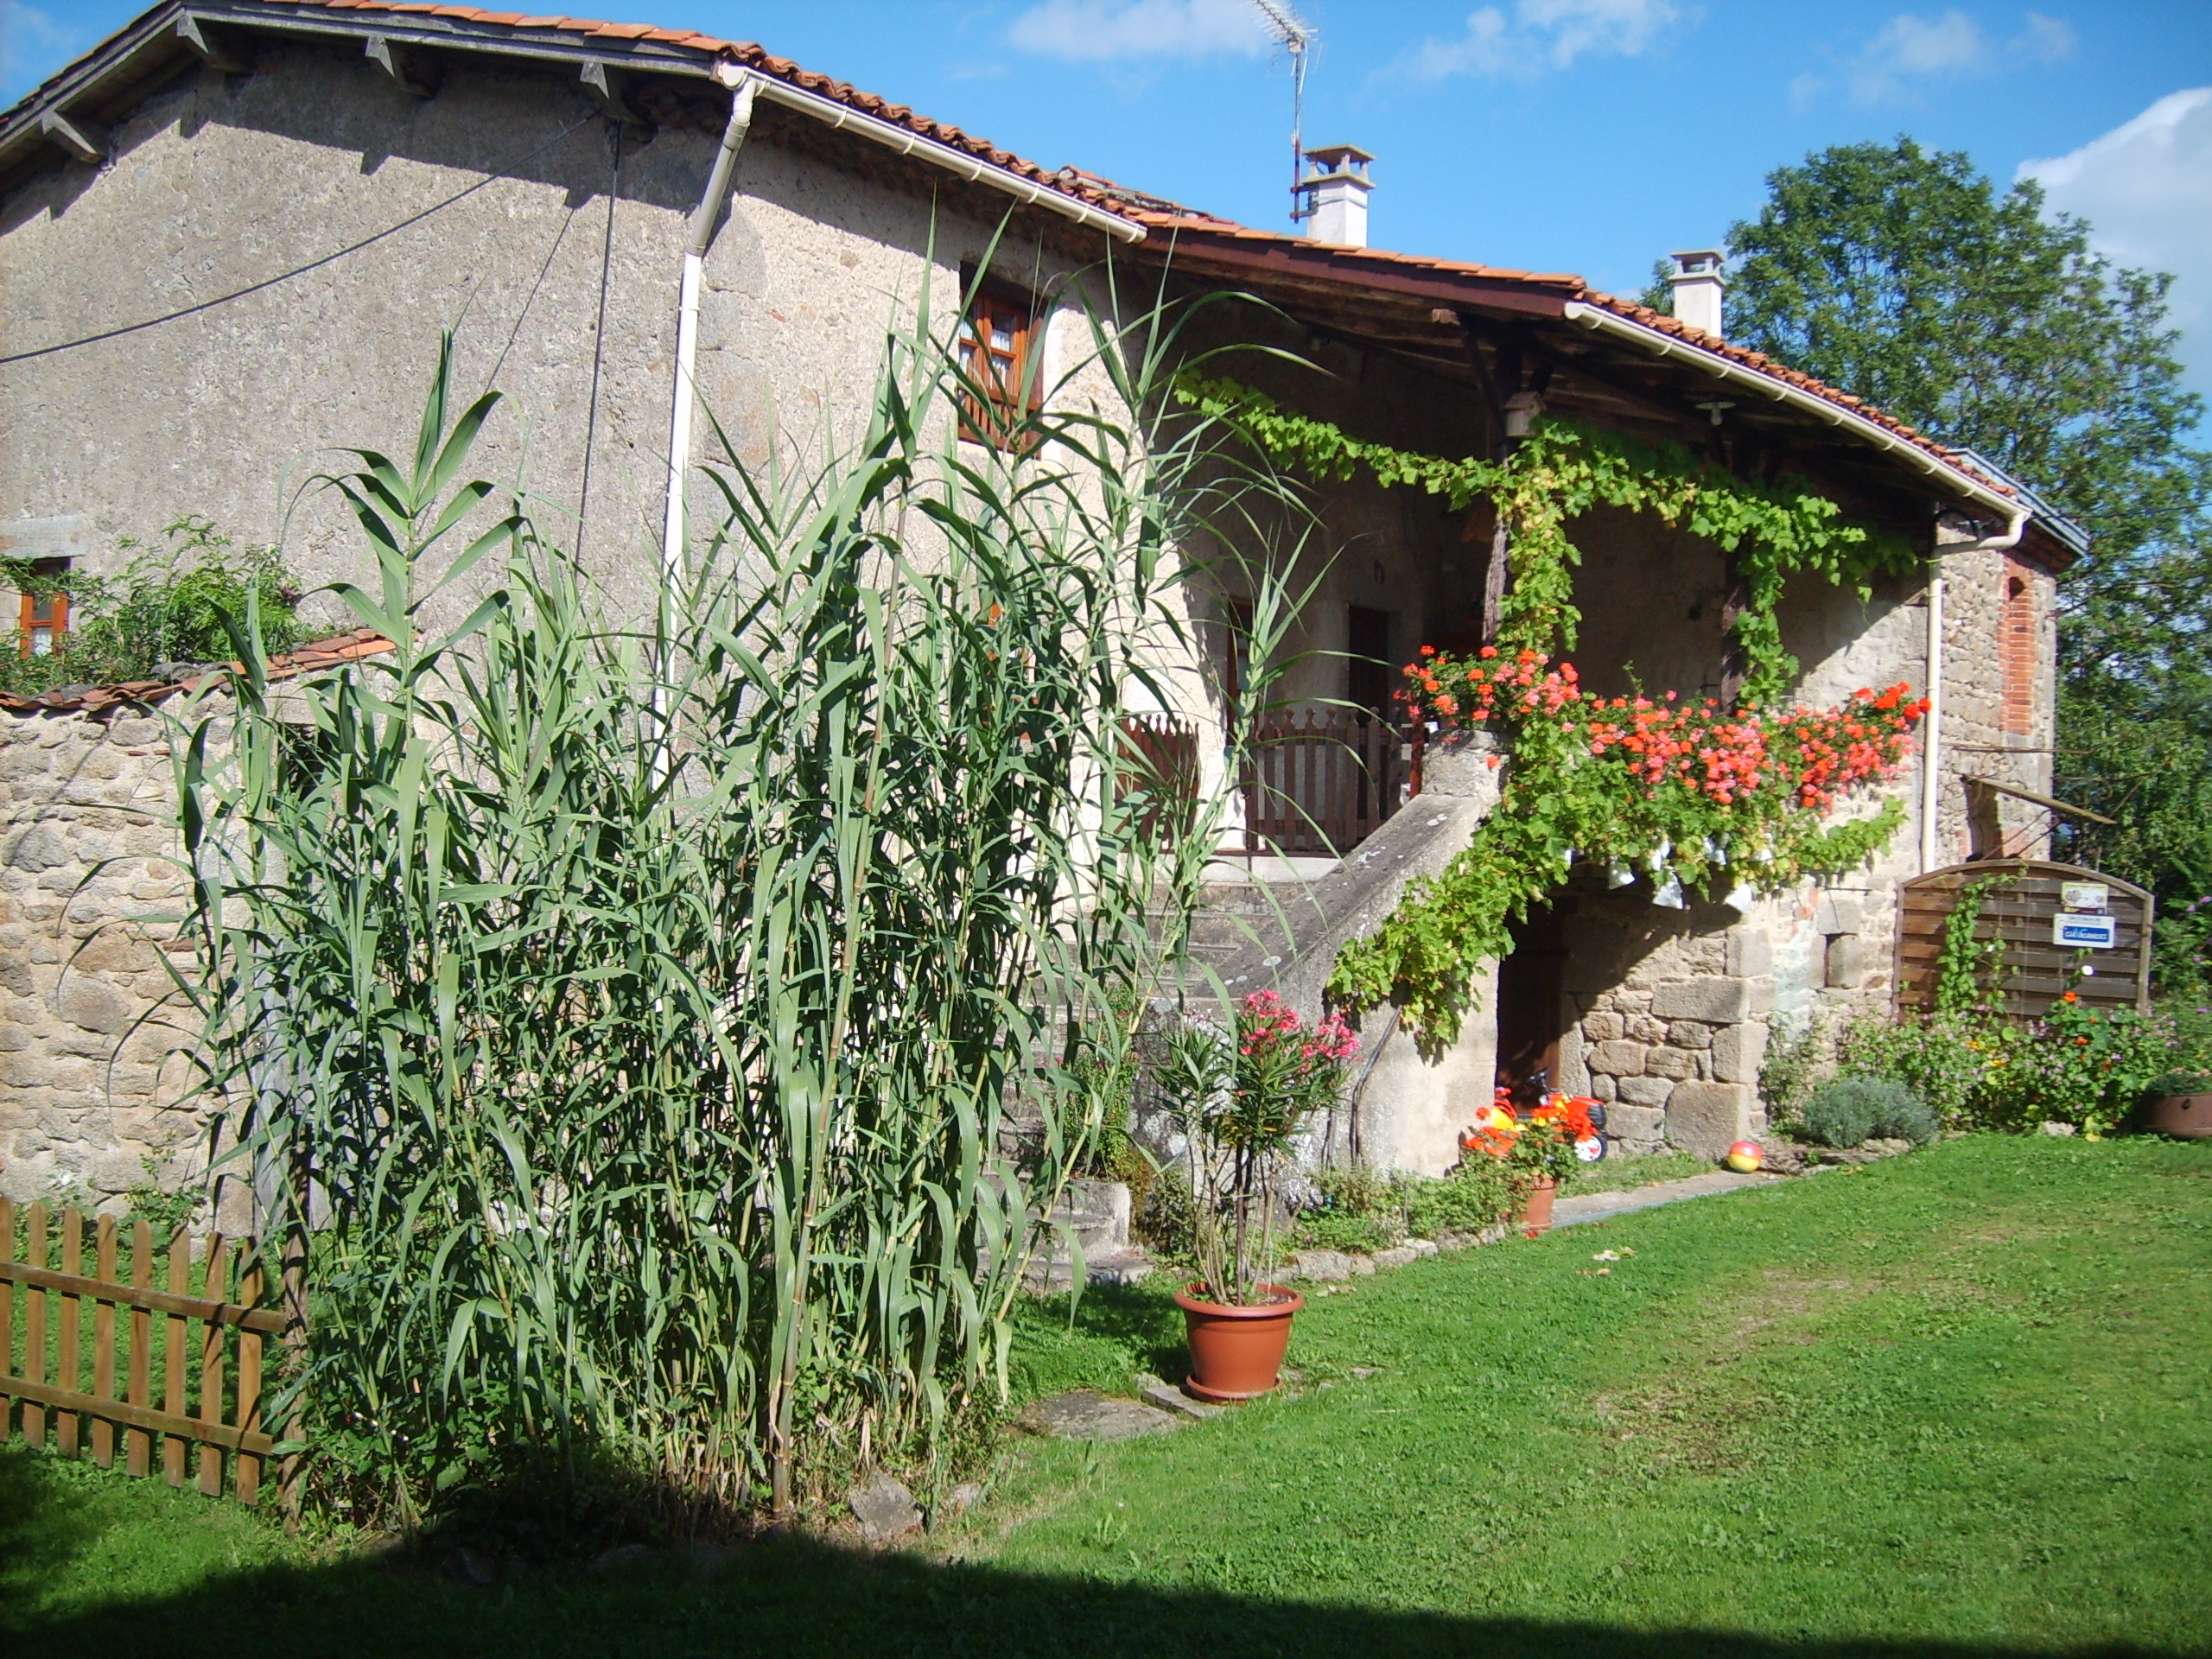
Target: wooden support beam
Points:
(607, 90)
(216, 49)
(86, 140)
(408, 68)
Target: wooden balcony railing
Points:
(1160, 753)
(1317, 785)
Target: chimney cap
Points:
(1700, 261)
(1349, 159)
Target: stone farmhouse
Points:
(232, 234)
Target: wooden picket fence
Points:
(204, 1367)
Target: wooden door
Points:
(1532, 1008)
(1367, 644)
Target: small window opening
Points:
(1000, 332)
(43, 617)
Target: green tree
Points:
(1904, 275)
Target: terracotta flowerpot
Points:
(1236, 1352)
(1536, 1213)
(2186, 1117)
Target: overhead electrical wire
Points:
(299, 270)
(598, 336)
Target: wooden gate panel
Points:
(2034, 972)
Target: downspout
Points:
(703, 224)
(1931, 731)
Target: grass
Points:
(1950, 1403)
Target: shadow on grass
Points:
(796, 1597)
(39, 1537)
(1144, 1319)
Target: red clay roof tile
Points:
(1150, 213)
(94, 702)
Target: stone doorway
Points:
(1532, 1014)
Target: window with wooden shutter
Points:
(999, 334)
(43, 617)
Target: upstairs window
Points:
(999, 336)
(43, 617)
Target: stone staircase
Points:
(1096, 1213)
(1246, 918)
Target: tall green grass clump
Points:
(632, 1020)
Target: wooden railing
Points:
(1161, 753)
(195, 1388)
(1320, 783)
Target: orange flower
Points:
(2071, 997)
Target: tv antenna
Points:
(1296, 36)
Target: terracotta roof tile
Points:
(1170, 223)
(98, 701)
(1152, 213)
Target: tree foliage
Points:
(1904, 275)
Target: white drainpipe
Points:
(687, 339)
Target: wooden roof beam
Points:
(216, 49)
(409, 68)
(607, 90)
(87, 141)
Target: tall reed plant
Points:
(634, 1021)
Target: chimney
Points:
(1698, 281)
(1334, 196)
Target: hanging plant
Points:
(1688, 797)
(1561, 470)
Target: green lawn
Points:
(1956, 1403)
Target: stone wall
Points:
(1667, 1018)
(87, 849)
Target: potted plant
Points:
(1242, 1095)
(1542, 1149)
(2179, 1104)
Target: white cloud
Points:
(2046, 39)
(2145, 187)
(32, 47)
(1542, 36)
(1925, 46)
(1089, 31)
(1911, 51)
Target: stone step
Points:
(1123, 1267)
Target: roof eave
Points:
(143, 47)
(1954, 479)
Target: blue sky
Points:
(1591, 135)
